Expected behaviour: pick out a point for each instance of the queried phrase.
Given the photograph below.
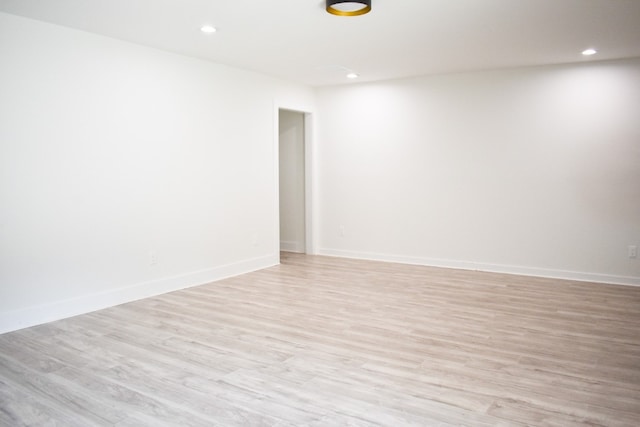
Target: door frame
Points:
(309, 174)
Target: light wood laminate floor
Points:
(321, 341)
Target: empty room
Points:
(320, 213)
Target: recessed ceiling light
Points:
(589, 52)
(208, 29)
(352, 75)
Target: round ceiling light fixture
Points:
(348, 8)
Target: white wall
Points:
(292, 181)
(110, 151)
(533, 170)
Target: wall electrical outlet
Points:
(633, 251)
(153, 258)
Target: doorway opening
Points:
(292, 181)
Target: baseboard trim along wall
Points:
(493, 268)
(37, 315)
(291, 247)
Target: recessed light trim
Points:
(208, 29)
(589, 52)
(353, 75)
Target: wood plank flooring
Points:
(321, 342)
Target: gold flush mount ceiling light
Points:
(348, 8)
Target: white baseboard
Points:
(291, 247)
(494, 268)
(36, 315)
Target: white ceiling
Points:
(297, 40)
